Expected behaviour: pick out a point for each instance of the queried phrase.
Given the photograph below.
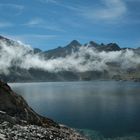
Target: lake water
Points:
(104, 108)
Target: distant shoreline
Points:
(123, 80)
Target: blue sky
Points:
(47, 24)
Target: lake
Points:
(103, 108)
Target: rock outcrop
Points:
(15, 106)
(19, 121)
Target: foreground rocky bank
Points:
(20, 122)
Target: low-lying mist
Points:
(86, 59)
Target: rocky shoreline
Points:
(9, 131)
(19, 122)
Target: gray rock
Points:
(19, 122)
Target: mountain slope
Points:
(63, 51)
(74, 61)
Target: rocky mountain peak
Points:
(93, 44)
(8, 41)
(113, 47)
(5, 39)
(37, 50)
(1, 37)
(74, 43)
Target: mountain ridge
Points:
(72, 62)
(75, 43)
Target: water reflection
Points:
(113, 108)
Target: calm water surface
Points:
(109, 107)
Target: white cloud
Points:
(41, 23)
(18, 54)
(59, 3)
(35, 21)
(109, 10)
(39, 36)
(28, 37)
(105, 10)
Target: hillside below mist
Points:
(73, 62)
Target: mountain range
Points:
(73, 62)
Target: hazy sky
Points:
(49, 23)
